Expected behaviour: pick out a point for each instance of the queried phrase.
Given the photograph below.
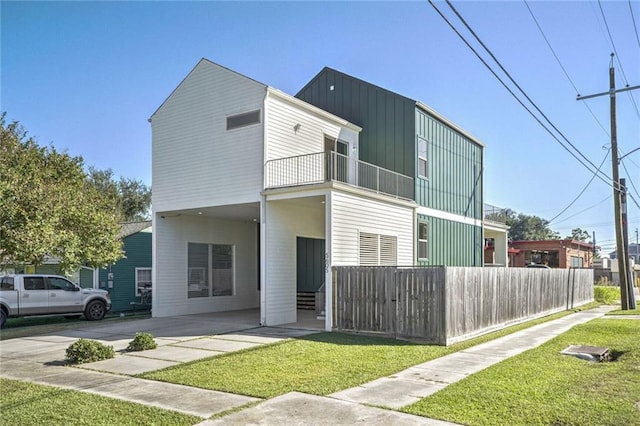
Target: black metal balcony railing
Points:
(495, 214)
(323, 167)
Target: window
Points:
(576, 262)
(143, 280)
(210, 270)
(423, 240)
(34, 283)
(242, 120)
(6, 283)
(422, 157)
(378, 250)
(56, 283)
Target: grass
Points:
(627, 312)
(24, 403)
(606, 294)
(543, 387)
(318, 364)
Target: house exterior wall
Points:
(172, 235)
(565, 249)
(452, 243)
(285, 221)
(196, 161)
(283, 140)
(351, 214)
(387, 119)
(391, 127)
(454, 169)
(137, 251)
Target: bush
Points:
(606, 294)
(142, 342)
(85, 350)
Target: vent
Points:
(242, 120)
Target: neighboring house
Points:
(84, 276)
(495, 231)
(553, 253)
(128, 278)
(446, 162)
(633, 252)
(257, 194)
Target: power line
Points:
(624, 75)
(584, 210)
(608, 180)
(562, 67)
(629, 179)
(583, 189)
(635, 27)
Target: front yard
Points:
(543, 387)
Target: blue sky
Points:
(86, 76)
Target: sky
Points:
(86, 76)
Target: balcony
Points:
(495, 214)
(322, 167)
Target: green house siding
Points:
(137, 251)
(454, 169)
(387, 119)
(452, 243)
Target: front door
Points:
(63, 296)
(310, 270)
(337, 158)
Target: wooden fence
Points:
(444, 305)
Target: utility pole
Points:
(631, 302)
(621, 248)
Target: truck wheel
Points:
(3, 318)
(95, 310)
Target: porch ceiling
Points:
(241, 212)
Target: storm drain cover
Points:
(589, 353)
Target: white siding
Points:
(196, 162)
(286, 220)
(282, 139)
(351, 214)
(172, 234)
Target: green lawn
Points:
(24, 403)
(543, 387)
(627, 312)
(318, 364)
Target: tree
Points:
(48, 207)
(579, 234)
(526, 227)
(131, 197)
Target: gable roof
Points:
(202, 60)
(423, 107)
(131, 228)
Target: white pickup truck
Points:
(35, 294)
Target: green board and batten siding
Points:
(391, 125)
(137, 250)
(387, 119)
(454, 170)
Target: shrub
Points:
(142, 342)
(606, 294)
(85, 350)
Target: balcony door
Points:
(337, 165)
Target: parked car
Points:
(36, 294)
(537, 265)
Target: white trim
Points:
(448, 122)
(426, 211)
(312, 109)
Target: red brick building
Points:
(553, 253)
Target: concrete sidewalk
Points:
(420, 381)
(40, 359)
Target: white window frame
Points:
(139, 282)
(424, 241)
(208, 274)
(248, 114)
(422, 157)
